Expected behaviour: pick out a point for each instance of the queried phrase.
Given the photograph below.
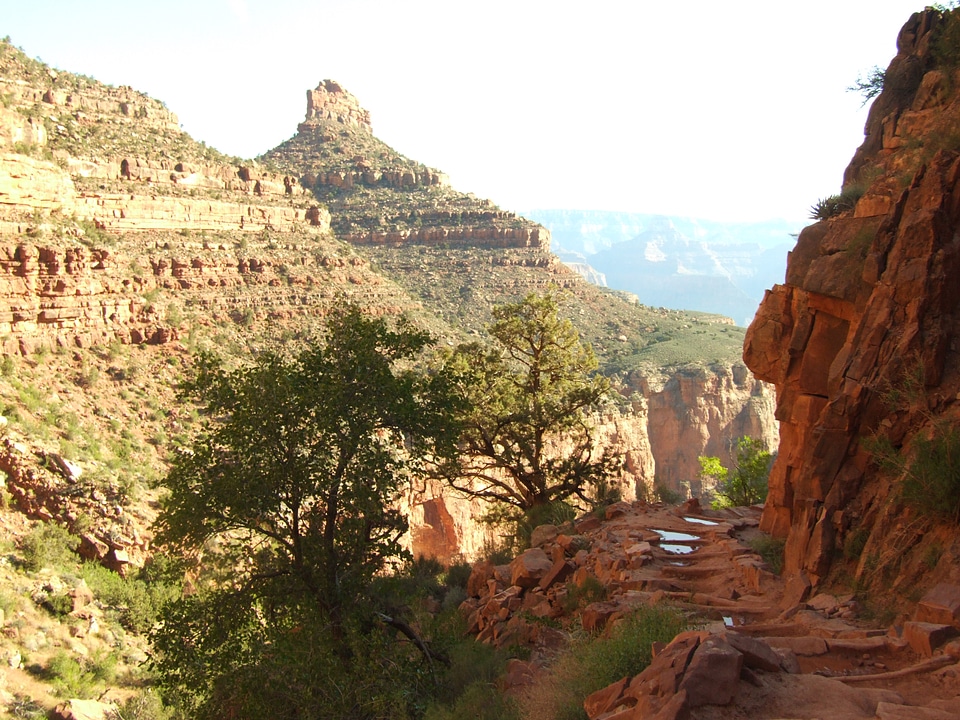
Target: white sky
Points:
(731, 110)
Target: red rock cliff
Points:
(870, 300)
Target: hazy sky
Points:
(731, 110)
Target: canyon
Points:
(127, 249)
(111, 231)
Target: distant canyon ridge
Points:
(673, 261)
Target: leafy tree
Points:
(525, 439)
(291, 488)
(747, 484)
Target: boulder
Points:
(542, 534)
(941, 605)
(528, 567)
(713, 676)
(84, 710)
(756, 653)
(924, 637)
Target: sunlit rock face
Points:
(870, 301)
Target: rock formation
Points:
(860, 341)
(331, 102)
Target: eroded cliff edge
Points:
(861, 341)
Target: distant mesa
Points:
(330, 102)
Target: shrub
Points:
(48, 545)
(931, 478)
(869, 86)
(137, 601)
(589, 591)
(593, 663)
(68, 677)
(145, 705)
(836, 204)
(666, 495)
(946, 39)
(747, 484)
(771, 550)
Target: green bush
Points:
(869, 86)
(48, 545)
(589, 591)
(68, 677)
(946, 39)
(747, 484)
(138, 600)
(666, 495)
(771, 550)
(931, 478)
(145, 705)
(836, 204)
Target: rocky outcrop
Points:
(701, 411)
(123, 213)
(860, 339)
(28, 185)
(533, 236)
(77, 297)
(330, 102)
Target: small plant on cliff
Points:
(747, 484)
(836, 204)
(525, 440)
(930, 472)
(946, 37)
(869, 86)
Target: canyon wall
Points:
(869, 310)
(117, 227)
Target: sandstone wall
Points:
(698, 412)
(870, 301)
(484, 236)
(128, 213)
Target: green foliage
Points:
(22, 707)
(81, 678)
(747, 485)
(945, 46)
(595, 662)
(931, 476)
(869, 86)
(137, 600)
(291, 488)
(771, 550)
(536, 388)
(854, 543)
(836, 204)
(144, 705)
(666, 495)
(48, 545)
(58, 603)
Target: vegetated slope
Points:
(134, 234)
(861, 344)
(126, 247)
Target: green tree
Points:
(290, 491)
(747, 484)
(525, 439)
